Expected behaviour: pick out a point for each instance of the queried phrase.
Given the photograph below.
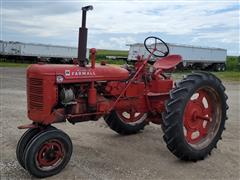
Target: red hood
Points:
(73, 73)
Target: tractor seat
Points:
(168, 62)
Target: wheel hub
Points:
(50, 154)
(131, 116)
(197, 117)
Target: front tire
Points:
(22, 143)
(195, 116)
(25, 139)
(126, 123)
(48, 153)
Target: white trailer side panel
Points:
(188, 53)
(199, 54)
(48, 51)
(38, 50)
(11, 48)
(1, 47)
(135, 50)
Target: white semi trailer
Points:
(32, 51)
(194, 57)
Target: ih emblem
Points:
(67, 72)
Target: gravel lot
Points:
(100, 153)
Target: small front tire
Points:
(48, 153)
(22, 143)
(25, 139)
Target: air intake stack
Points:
(82, 41)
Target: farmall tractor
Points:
(192, 112)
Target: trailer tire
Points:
(197, 66)
(118, 123)
(48, 153)
(217, 67)
(185, 115)
(223, 67)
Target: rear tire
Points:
(120, 124)
(48, 153)
(186, 116)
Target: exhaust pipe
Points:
(82, 38)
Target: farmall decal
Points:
(79, 73)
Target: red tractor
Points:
(192, 112)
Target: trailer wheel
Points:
(197, 66)
(25, 139)
(223, 67)
(195, 116)
(126, 123)
(48, 153)
(217, 67)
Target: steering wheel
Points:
(154, 43)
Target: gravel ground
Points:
(100, 153)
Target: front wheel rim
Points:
(202, 117)
(50, 155)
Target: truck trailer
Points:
(194, 57)
(31, 52)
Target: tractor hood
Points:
(75, 73)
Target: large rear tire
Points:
(126, 123)
(195, 116)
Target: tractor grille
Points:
(35, 93)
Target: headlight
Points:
(59, 78)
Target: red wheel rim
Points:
(50, 155)
(201, 117)
(131, 117)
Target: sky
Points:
(113, 24)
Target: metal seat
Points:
(168, 62)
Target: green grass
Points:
(10, 64)
(101, 55)
(104, 52)
(111, 61)
(226, 76)
(233, 63)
